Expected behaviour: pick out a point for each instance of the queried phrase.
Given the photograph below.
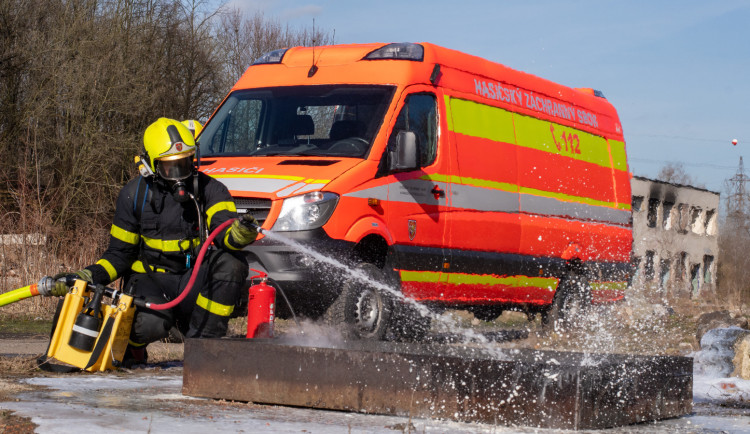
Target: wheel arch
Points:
(372, 241)
(373, 248)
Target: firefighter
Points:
(155, 238)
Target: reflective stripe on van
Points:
(468, 288)
(490, 196)
(282, 185)
(544, 158)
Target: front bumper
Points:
(305, 265)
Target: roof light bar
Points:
(398, 50)
(590, 91)
(274, 56)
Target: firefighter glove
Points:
(244, 230)
(61, 280)
(61, 287)
(85, 274)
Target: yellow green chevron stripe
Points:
(284, 177)
(504, 186)
(613, 286)
(536, 134)
(256, 176)
(478, 279)
(518, 281)
(473, 182)
(617, 150)
(479, 120)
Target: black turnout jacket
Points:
(151, 228)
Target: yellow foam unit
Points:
(121, 310)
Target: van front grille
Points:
(259, 208)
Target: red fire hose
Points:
(194, 275)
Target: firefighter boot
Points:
(134, 356)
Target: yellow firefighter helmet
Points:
(169, 149)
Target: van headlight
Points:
(308, 211)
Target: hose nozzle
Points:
(249, 221)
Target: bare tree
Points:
(80, 80)
(242, 39)
(675, 173)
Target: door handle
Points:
(437, 192)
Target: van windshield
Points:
(338, 121)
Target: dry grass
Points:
(10, 423)
(22, 265)
(160, 352)
(15, 366)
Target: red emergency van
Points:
(460, 182)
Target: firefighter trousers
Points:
(204, 313)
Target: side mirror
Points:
(404, 156)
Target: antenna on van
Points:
(435, 74)
(313, 68)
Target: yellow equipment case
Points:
(108, 340)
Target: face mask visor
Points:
(175, 169)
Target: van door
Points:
(485, 225)
(418, 199)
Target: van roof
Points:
(345, 64)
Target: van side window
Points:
(419, 115)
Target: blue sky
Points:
(677, 71)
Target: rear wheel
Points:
(363, 309)
(572, 301)
(486, 313)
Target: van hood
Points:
(275, 177)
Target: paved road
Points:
(23, 346)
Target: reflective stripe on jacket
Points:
(149, 226)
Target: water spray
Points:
(444, 319)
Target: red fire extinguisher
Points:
(260, 307)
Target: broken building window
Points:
(653, 212)
(635, 264)
(695, 280)
(683, 217)
(708, 262)
(681, 266)
(637, 203)
(648, 268)
(664, 273)
(711, 222)
(667, 215)
(696, 220)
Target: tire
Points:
(409, 325)
(572, 301)
(362, 310)
(486, 313)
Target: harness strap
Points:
(102, 342)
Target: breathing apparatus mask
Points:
(173, 171)
(176, 171)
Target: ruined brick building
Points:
(675, 237)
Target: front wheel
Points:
(363, 308)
